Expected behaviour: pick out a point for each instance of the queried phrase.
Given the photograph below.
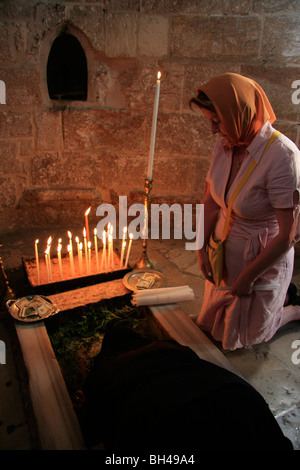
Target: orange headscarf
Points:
(241, 104)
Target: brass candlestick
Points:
(144, 261)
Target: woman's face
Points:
(216, 123)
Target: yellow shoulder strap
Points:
(242, 182)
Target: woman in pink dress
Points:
(248, 306)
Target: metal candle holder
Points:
(144, 261)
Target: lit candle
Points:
(89, 248)
(85, 249)
(112, 247)
(71, 260)
(96, 249)
(103, 259)
(47, 263)
(87, 223)
(124, 234)
(128, 250)
(109, 251)
(37, 261)
(77, 243)
(80, 258)
(153, 130)
(71, 251)
(59, 259)
(122, 254)
(49, 257)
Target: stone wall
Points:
(58, 158)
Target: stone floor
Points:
(268, 367)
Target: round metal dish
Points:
(31, 308)
(132, 278)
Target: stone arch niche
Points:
(66, 67)
(67, 73)
(97, 75)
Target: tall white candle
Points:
(153, 130)
(85, 250)
(124, 234)
(47, 263)
(49, 257)
(112, 247)
(37, 261)
(122, 254)
(109, 252)
(87, 223)
(103, 259)
(59, 260)
(96, 249)
(128, 250)
(71, 260)
(71, 247)
(80, 258)
(90, 257)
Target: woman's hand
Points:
(242, 286)
(204, 265)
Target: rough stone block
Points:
(23, 86)
(215, 37)
(121, 35)
(97, 129)
(280, 42)
(15, 124)
(242, 7)
(8, 195)
(153, 36)
(183, 134)
(181, 176)
(48, 130)
(43, 207)
(90, 19)
(43, 18)
(9, 158)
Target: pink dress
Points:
(243, 321)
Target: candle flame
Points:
(69, 235)
(58, 248)
(80, 246)
(36, 241)
(69, 248)
(124, 229)
(124, 244)
(76, 239)
(47, 250)
(89, 244)
(131, 236)
(49, 241)
(84, 232)
(59, 240)
(95, 231)
(158, 75)
(87, 211)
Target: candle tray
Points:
(68, 283)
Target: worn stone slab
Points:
(281, 39)
(215, 37)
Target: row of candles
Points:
(84, 253)
(107, 259)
